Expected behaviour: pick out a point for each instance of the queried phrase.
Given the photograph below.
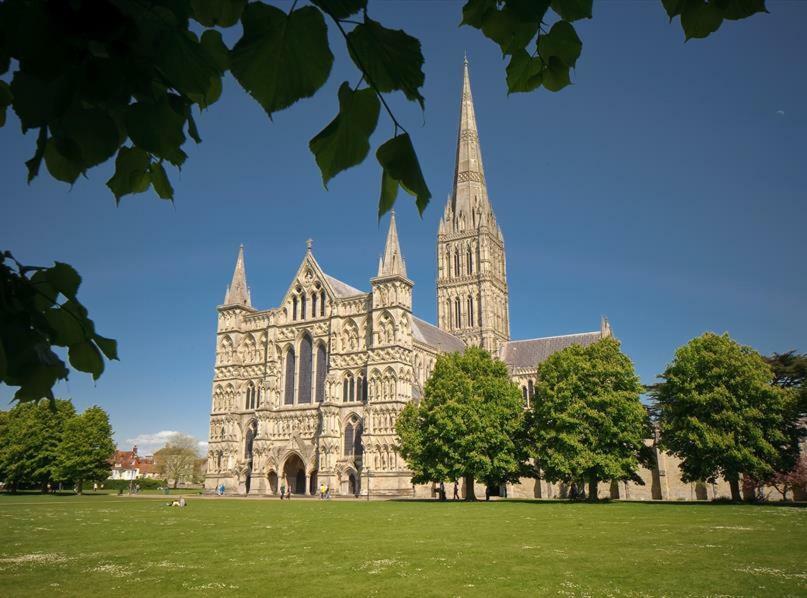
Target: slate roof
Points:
(431, 335)
(529, 353)
(342, 289)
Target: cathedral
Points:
(308, 392)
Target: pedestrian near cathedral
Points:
(282, 490)
(456, 490)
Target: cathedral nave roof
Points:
(431, 335)
(529, 353)
(342, 289)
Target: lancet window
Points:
(288, 397)
(322, 372)
(306, 357)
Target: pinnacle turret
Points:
(392, 262)
(238, 291)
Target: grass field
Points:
(106, 545)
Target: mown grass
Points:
(107, 545)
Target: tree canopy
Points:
(468, 424)
(85, 448)
(720, 414)
(178, 459)
(587, 422)
(125, 79)
(49, 442)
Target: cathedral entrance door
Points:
(294, 472)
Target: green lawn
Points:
(105, 545)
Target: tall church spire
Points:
(472, 296)
(392, 263)
(238, 291)
(469, 197)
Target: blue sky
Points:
(665, 189)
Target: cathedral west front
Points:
(308, 392)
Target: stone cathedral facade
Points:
(309, 391)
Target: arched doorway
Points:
(294, 473)
(312, 486)
(272, 489)
(252, 430)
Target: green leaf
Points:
(132, 173)
(94, 132)
(673, 7)
(109, 346)
(391, 59)
(346, 140)
(64, 278)
(341, 9)
(6, 97)
(38, 102)
(741, 9)
(389, 192)
(572, 10)
(556, 75)
(217, 13)
(67, 329)
(62, 157)
(157, 128)
(189, 67)
(700, 19)
(281, 58)
(214, 45)
(561, 42)
(511, 28)
(475, 11)
(36, 161)
(400, 163)
(160, 181)
(192, 130)
(86, 357)
(524, 73)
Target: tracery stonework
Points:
(309, 392)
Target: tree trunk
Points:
(592, 489)
(469, 488)
(734, 484)
(175, 483)
(79, 486)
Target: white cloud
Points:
(148, 443)
(203, 444)
(780, 112)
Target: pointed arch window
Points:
(352, 393)
(288, 395)
(346, 388)
(313, 305)
(530, 390)
(457, 313)
(302, 307)
(457, 263)
(470, 311)
(524, 395)
(322, 371)
(294, 308)
(470, 261)
(348, 450)
(364, 390)
(304, 391)
(251, 398)
(322, 303)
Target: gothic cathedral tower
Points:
(472, 295)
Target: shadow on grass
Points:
(606, 502)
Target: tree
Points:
(468, 424)
(29, 444)
(587, 422)
(790, 372)
(720, 414)
(39, 310)
(85, 448)
(794, 480)
(177, 460)
(123, 78)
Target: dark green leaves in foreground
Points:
(282, 57)
(391, 60)
(346, 140)
(39, 309)
(401, 168)
(700, 18)
(514, 24)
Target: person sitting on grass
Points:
(178, 503)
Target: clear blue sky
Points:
(666, 189)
